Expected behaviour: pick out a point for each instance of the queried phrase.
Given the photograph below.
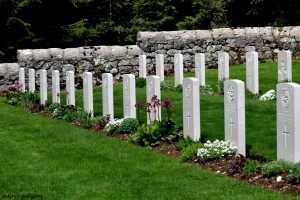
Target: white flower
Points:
(270, 95)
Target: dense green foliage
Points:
(68, 23)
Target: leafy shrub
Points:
(251, 167)
(169, 86)
(140, 82)
(155, 133)
(237, 166)
(295, 173)
(29, 98)
(189, 151)
(113, 125)
(206, 90)
(276, 167)
(215, 150)
(184, 143)
(53, 107)
(129, 125)
(84, 118)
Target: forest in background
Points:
(32, 24)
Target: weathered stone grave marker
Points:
(252, 72)
(159, 61)
(22, 79)
(284, 66)
(200, 68)
(288, 118)
(234, 114)
(70, 88)
(178, 68)
(142, 66)
(129, 96)
(43, 86)
(88, 93)
(153, 88)
(107, 95)
(191, 108)
(223, 65)
(31, 82)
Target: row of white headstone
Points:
(252, 80)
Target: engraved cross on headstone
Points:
(231, 125)
(283, 70)
(188, 118)
(285, 133)
(250, 77)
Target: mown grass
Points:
(49, 157)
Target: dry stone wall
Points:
(119, 60)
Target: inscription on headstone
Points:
(129, 96)
(88, 93)
(178, 68)
(107, 95)
(191, 108)
(234, 114)
(153, 88)
(70, 88)
(22, 79)
(159, 60)
(252, 72)
(288, 118)
(223, 65)
(31, 82)
(142, 66)
(43, 86)
(284, 66)
(200, 68)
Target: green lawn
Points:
(49, 157)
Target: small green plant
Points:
(189, 148)
(140, 82)
(167, 85)
(295, 173)
(221, 85)
(216, 149)
(251, 167)
(206, 90)
(29, 98)
(129, 125)
(276, 167)
(53, 107)
(102, 122)
(84, 118)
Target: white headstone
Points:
(43, 86)
(252, 72)
(55, 87)
(142, 66)
(178, 68)
(88, 99)
(234, 114)
(159, 60)
(22, 79)
(107, 95)
(200, 68)
(153, 88)
(223, 65)
(284, 66)
(70, 88)
(129, 96)
(288, 118)
(31, 84)
(191, 108)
